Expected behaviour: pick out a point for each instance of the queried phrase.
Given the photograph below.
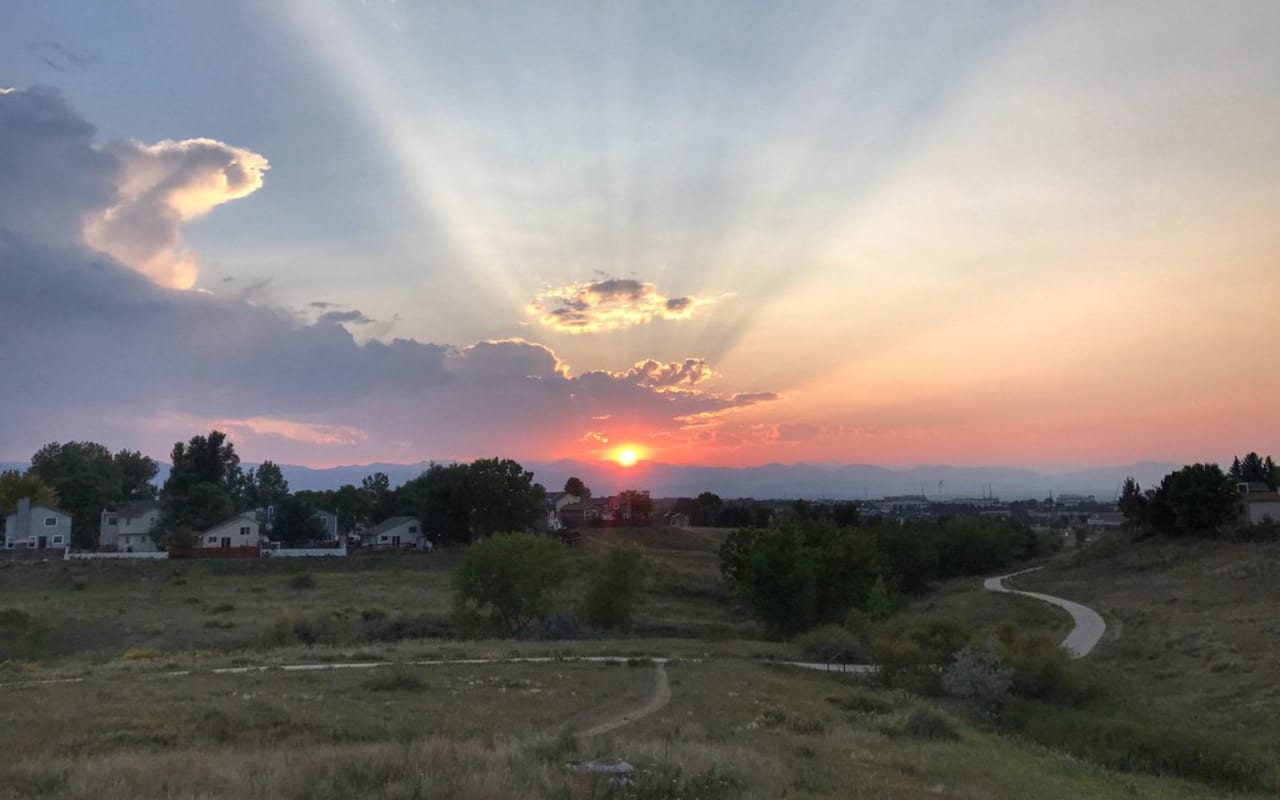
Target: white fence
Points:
(306, 552)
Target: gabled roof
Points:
(238, 518)
(134, 508)
(1261, 497)
(389, 523)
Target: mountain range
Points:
(777, 481)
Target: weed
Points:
(396, 678)
(929, 723)
(303, 580)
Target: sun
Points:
(627, 457)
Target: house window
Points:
(111, 520)
(49, 522)
(382, 538)
(57, 540)
(413, 529)
(213, 540)
(244, 531)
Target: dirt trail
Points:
(661, 696)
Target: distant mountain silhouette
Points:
(834, 481)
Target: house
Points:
(238, 532)
(396, 533)
(127, 528)
(576, 515)
(333, 532)
(1257, 504)
(556, 502)
(37, 527)
(678, 519)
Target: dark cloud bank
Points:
(89, 346)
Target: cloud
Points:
(608, 304)
(161, 187)
(126, 199)
(353, 317)
(96, 349)
(649, 372)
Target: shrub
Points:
(222, 608)
(912, 655)
(862, 701)
(614, 584)
(1041, 667)
(833, 644)
(142, 654)
(979, 675)
(1126, 741)
(510, 578)
(396, 678)
(303, 580)
(929, 723)
(667, 782)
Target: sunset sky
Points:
(1040, 234)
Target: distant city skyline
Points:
(1033, 234)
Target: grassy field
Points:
(737, 725)
(1193, 627)
(734, 728)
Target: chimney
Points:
(24, 519)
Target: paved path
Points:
(1089, 625)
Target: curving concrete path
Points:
(1089, 625)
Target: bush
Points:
(979, 675)
(303, 580)
(929, 723)
(862, 701)
(834, 644)
(667, 782)
(614, 584)
(912, 655)
(1041, 667)
(396, 678)
(1126, 741)
(511, 579)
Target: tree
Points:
(1195, 500)
(296, 522)
(136, 475)
(511, 579)
(503, 497)
(205, 484)
(265, 486)
(380, 501)
(353, 507)
(1133, 503)
(16, 485)
(87, 480)
(706, 509)
(634, 505)
(577, 488)
(441, 498)
(1254, 469)
(614, 584)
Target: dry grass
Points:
(1193, 627)
(771, 731)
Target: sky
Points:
(1025, 233)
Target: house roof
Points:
(389, 523)
(134, 508)
(1261, 497)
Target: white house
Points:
(1257, 504)
(127, 529)
(37, 527)
(332, 531)
(397, 533)
(241, 531)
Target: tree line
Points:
(1198, 500)
(207, 485)
(812, 570)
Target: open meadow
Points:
(172, 680)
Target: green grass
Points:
(1192, 628)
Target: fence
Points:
(113, 556)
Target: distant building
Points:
(903, 504)
(1075, 499)
(1257, 504)
(37, 527)
(127, 528)
(333, 531)
(396, 533)
(237, 532)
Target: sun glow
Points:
(627, 457)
